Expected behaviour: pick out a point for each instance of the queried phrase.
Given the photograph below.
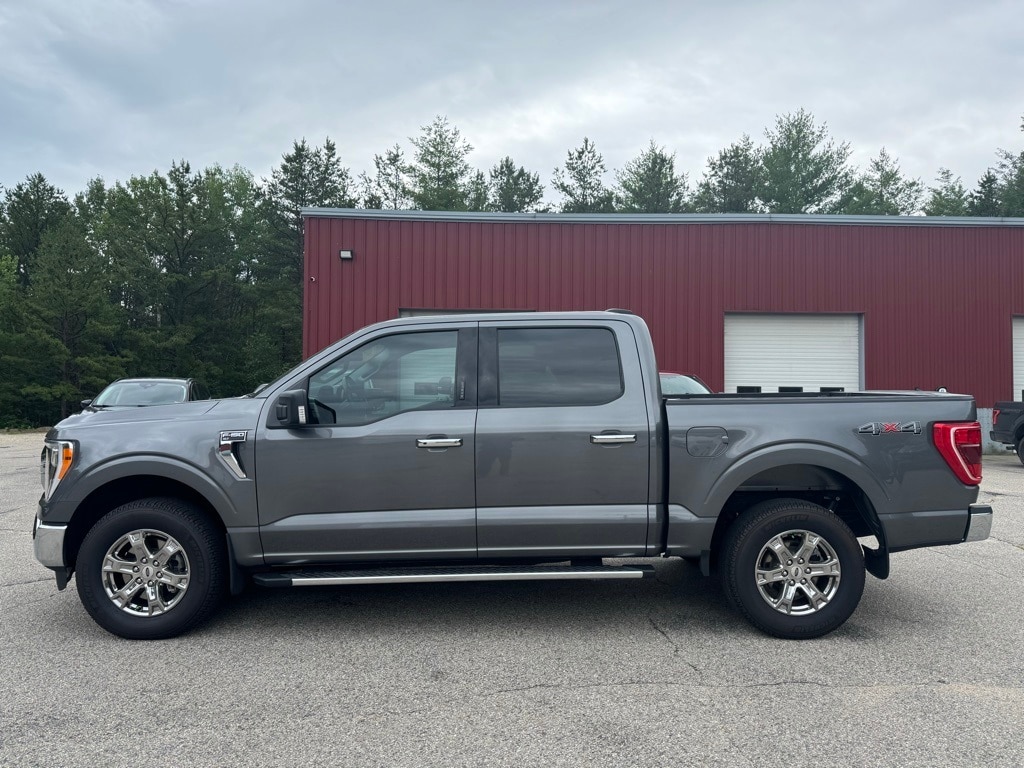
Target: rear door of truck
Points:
(562, 440)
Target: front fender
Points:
(237, 508)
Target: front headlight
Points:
(54, 463)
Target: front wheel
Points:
(794, 569)
(151, 569)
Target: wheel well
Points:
(118, 492)
(818, 485)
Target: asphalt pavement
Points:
(928, 672)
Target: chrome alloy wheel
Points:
(797, 572)
(145, 573)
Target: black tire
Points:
(184, 589)
(812, 601)
(1020, 449)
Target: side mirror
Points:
(86, 403)
(292, 409)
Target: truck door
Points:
(385, 469)
(562, 441)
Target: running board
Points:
(310, 578)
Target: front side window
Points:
(557, 366)
(386, 376)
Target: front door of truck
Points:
(385, 469)
(562, 441)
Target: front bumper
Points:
(48, 543)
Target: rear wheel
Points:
(794, 569)
(1020, 449)
(152, 569)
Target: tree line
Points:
(199, 272)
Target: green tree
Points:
(948, 197)
(69, 303)
(733, 180)
(649, 183)
(883, 190)
(513, 188)
(186, 252)
(805, 171)
(478, 192)
(306, 177)
(580, 182)
(439, 173)
(1011, 183)
(984, 200)
(29, 210)
(388, 188)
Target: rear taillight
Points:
(959, 442)
(995, 416)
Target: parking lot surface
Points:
(928, 672)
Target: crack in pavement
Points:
(675, 646)
(1007, 541)
(31, 581)
(713, 686)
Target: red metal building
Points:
(898, 302)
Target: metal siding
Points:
(937, 301)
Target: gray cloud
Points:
(116, 89)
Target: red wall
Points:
(937, 300)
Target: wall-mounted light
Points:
(344, 255)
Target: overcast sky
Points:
(113, 89)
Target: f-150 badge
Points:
(890, 428)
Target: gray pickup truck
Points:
(1008, 426)
(501, 447)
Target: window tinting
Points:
(404, 372)
(557, 366)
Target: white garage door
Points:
(1018, 357)
(793, 353)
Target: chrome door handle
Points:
(612, 439)
(438, 442)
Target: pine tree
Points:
(805, 171)
(580, 182)
(388, 188)
(984, 200)
(733, 180)
(514, 189)
(439, 172)
(948, 197)
(883, 190)
(649, 183)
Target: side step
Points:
(310, 578)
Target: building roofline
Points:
(664, 218)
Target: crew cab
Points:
(501, 447)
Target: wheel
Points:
(1020, 449)
(151, 569)
(794, 569)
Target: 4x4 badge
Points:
(890, 428)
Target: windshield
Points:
(136, 393)
(681, 384)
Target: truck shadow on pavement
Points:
(678, 590)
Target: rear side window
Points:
(558, 366)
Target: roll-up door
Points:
(1018, 358)
(793, 353)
